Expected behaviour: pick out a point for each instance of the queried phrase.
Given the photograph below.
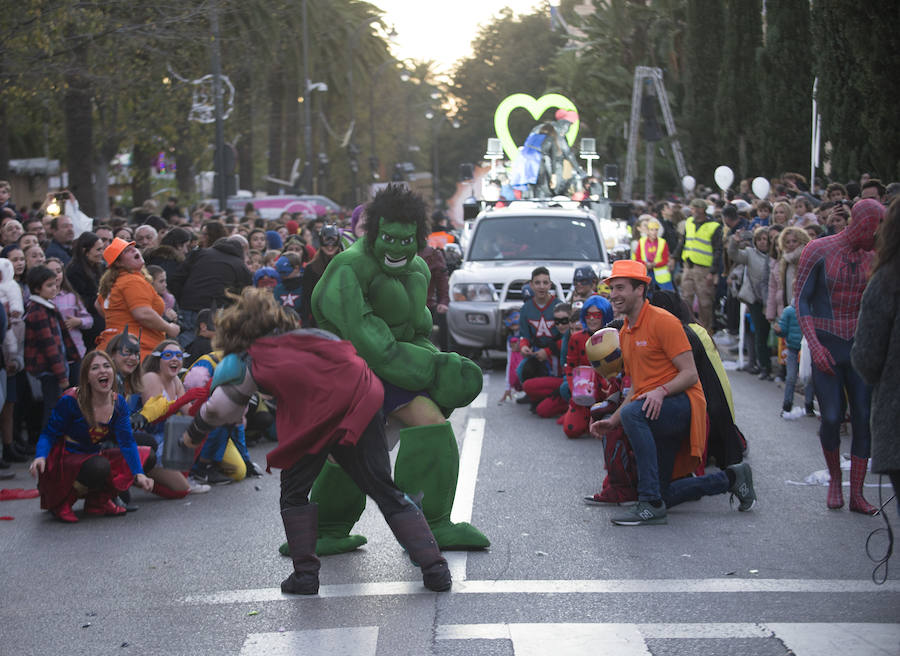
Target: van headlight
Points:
(473, 291)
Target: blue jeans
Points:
(831, 389)
(217, 441)
(792, 367)
(655, 443)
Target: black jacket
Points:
(207, 273)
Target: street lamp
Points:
(352, 148)
(373, 159)
(437, 120)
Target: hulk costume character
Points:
(373, 295)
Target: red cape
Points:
(326, 393)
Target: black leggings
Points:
(367, 464)
(95, 471)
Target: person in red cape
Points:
(329, 405)
(75, 456)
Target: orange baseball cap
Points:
(628, 269)
(114, 250)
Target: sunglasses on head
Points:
(561, 321)
(168, 355)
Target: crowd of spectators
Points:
(734, 260)
(142, 288)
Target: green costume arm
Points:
(386, 319)
(340, 306)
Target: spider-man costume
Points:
(831, 276)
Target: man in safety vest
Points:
(653, 252)
(701, 258)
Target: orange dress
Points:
(131, 290)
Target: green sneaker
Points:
(743, 486)
(640, 514)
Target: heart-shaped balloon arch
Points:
(536, 107)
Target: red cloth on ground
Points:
(326, 393)
(62, 468)
(18, 493)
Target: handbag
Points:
(746, 293)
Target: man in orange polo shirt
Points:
(664, 415)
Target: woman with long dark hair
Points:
(83, 273)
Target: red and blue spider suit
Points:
(831, 276)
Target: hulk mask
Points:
(395, 247)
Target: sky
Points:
(442, 30)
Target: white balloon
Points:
(760, 187)
(724, 177)
(688, 182)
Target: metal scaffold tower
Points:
(639, 107)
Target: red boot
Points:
(100, 503)
(835, 491)
(63, 512)
(858, 503)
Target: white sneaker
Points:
(197, 488)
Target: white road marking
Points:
(621, 586)
(803, 639)
(557, 639)
(469, 460)
(480, 401)
(840, 639)
(357, 640)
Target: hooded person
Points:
(330, 244)
(373, 295)
(831, 276)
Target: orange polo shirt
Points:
(648, 348)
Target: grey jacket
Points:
(876, 356)
(757, 268)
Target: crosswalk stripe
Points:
(357, 640)
(626, 586)
(802, 639)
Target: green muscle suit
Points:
(373, 294)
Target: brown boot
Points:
(413, 534)
(301, 528)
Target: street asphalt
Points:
(201, 575)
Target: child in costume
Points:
(596, 312)
(374, 295)
(316, 419)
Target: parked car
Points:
(502, 248)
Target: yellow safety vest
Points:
(660, 273)
(698, 242)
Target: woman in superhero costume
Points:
(373, 295)
(329, 404)
(87, 448)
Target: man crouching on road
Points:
(664, 416)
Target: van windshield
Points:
(535, 238)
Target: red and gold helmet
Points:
(603, 350)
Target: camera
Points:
(61, 196)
